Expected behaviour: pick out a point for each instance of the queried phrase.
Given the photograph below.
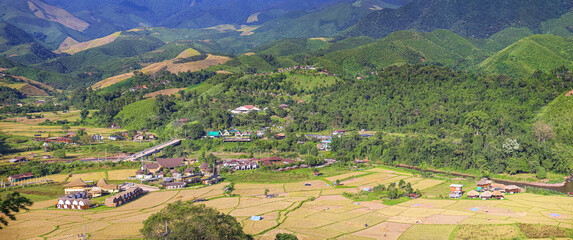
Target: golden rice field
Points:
(28, 130)
(328, 215)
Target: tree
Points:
(192, 131)
(84, 114)
(543, 131)
(478, 121)
(13, 203)
(60, 153)
(229, 189)
(184, 220)
(541, 173)
(285, 236)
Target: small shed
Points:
(486, 195)
(512, 189)
(256, 218)
(497, 195)
(473, 194)
(483, 184)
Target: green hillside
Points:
(440, 47)
(135, 115)
(468, 18)
(538, 52)
(559, 115)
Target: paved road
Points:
(152, 150)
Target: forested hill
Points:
(468, 18)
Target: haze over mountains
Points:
(71, 43)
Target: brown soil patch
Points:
(75, 48)
(30, 90)
(55, 14)
(444, 219)
(166, 92)
(385, 230)
(112, 80)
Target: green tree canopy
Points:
(13, 203)
(185, 221)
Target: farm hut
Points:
(76, 185)
(95, 192)
(20, 177)
(486, 195)
(512, 189)
(456, 190)
(497, 195)
(483, 184)
(473, 194)
(106, 187)
(256, 218)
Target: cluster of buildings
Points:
(124, 197)
(486, 189)
(235, 133)
(78, 194)
(245, 109)
(175, 179)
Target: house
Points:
(283, 106)
(205, 169)
(170, 163)
(338, 132)
(174, 185)
(124, 197)
(95, 192)
(97, 137)
(160, 174)
(77, 201)
(512, 189)
(213, 179)
(280, 136)
(188, 172)
(483, 184)
(497, 194)
(245, 109)
(226, 133)
(76, 185)
(175, 173)
(18, 159)
(456, 190)
(143, 174)
(20, 177)
(139, 137)
(325, 144)
(114, 138)
(486, 195)
(273, 159)
(106, 187)
(473, 194)
(213, 134)
(151, 167)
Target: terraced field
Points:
(318, 211)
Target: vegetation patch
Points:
(544, 231)
(486, 232)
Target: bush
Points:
(285, 236)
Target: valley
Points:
(286, 119)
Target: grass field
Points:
(314, 212)
(29, 130)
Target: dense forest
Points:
(425, 115)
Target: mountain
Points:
(440, 47)
(19, 46)
(468, 18)
(537, 52)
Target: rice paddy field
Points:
(318, 211)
